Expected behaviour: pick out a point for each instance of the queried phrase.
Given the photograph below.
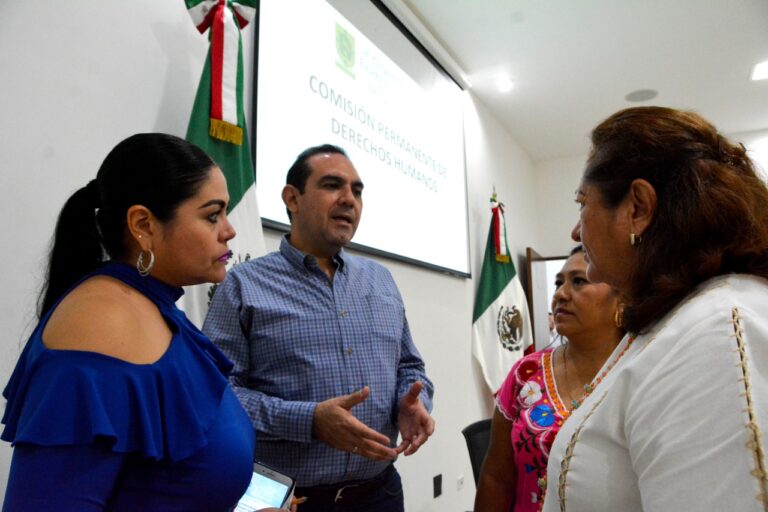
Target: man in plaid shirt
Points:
(324, 361)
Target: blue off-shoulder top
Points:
(92, 432)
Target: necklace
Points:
(574, 403)
(590, 386)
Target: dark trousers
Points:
(383, 493)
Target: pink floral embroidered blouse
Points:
(529, 399)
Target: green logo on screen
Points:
(345, 50)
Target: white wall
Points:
(77, 77)
(557, 213)
(557, 180)
(80, 76)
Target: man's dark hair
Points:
(300, 170)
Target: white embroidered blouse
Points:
(677, 423)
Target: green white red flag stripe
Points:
(501, 325)
(201, 12)
(224, 19)
(233, 158)
(225, 35)
(499, 230)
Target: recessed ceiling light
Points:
(504, 83)
(641, 95)
(760, 71)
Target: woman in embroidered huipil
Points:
(675, 217)
(118, 402)
(542, 389)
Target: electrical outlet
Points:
(437, 485)
(460, 483)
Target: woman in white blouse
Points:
(674, 216)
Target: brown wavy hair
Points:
(712, 208)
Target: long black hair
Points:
(156, 170)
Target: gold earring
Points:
(618, 317)
(634, 239)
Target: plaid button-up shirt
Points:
(297, 338)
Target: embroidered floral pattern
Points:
(529, 401)
(530, 393)
(542, 416)
(549, 378)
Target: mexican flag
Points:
(501, 325)
(217, 125)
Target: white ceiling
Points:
(574, 61)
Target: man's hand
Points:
(416, 425)
(334, 425)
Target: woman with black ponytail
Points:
(118, 402)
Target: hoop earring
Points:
(634, 239)
(618, 317)
(145, 270)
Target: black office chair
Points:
(478, 437)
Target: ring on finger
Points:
(354, 449)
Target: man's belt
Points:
(344, 492)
